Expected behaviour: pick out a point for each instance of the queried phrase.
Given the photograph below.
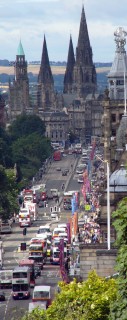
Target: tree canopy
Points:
(24, 146)
(89, 300)
(25, 125)
(119, 307)
(8, 194)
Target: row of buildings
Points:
(80, 108)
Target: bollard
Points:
(19, 248)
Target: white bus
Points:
(55, 255)
(6, 279)
(24, 217)
(33, 211)
(21, 283)
(42, 293)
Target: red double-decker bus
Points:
(31, 265)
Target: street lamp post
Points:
(108, 204)
(108, 208)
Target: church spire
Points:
(68, 78)
(84, 75)
(45, 73)
(46, 93)
(45, 58)
(83, 41)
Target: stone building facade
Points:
(79, 94)
(19, 90)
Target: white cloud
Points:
(30, 19)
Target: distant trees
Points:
(25, 125)
(25, 148)
(29, 147)
(8, 193)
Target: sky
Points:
(29, 20)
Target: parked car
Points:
(2, 296)
(64, 173)
(58, 169)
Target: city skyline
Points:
(31, 19)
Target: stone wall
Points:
(97, 257)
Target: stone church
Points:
(79, 106)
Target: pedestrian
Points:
(63, 186)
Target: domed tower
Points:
(84, 74)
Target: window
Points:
(41, 294)
(113, 117)
(113, 132)
(120, 82)
(56, 254)
(20, 287)
(19, 275)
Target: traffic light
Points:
(24, 231)
(23, 246)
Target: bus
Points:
(68, 196)
(33, 211)
(24, 217)
(28, 196)
(37, 254)
(57, 155)
(57, 231)
(41, 241)
(6, 279)
(31, 265)
(42, 293)
(21, 283)
(55, 255)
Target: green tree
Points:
(119, 307)
(5, 151)
(8, 193)
(25, 125)
(29, 152)
(89, 300)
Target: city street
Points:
(50, 274)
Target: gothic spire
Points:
(45, 70)
(68, 78)
(83, 40)
(84, 74)
(45, 58)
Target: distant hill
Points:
(58, 71)
(6, 62)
